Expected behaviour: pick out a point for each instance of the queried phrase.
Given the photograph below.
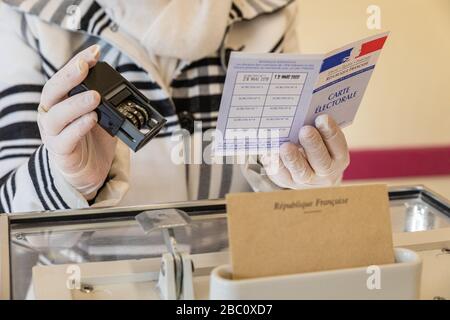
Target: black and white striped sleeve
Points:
(28, 181)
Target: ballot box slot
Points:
(111, 214)
(435, 201)
(404, 194)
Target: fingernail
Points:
(87, 120)
(289, 156)
(90, 98)
(82, 65)
(322, 122)
(90, 118)
(286, 152)
(96, 51)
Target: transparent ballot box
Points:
(106, 254)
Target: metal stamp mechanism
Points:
(175, 279)
(124, 111)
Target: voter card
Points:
(268, 98)
(343, 79)
(264, 98)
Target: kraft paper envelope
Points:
(311, 230)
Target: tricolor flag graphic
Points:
(372, 46)
(341, 57)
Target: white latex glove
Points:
(320, 160)
(78, 147)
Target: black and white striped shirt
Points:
(36, 43)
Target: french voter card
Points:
(268, 98)
(343, 79)
(264, 97)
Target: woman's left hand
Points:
(320, 160)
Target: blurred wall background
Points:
(407, 103)
(401, 135)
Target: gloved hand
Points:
(78, 147)
(319, 161)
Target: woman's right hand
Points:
(78, 147)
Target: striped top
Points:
(40, 39)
